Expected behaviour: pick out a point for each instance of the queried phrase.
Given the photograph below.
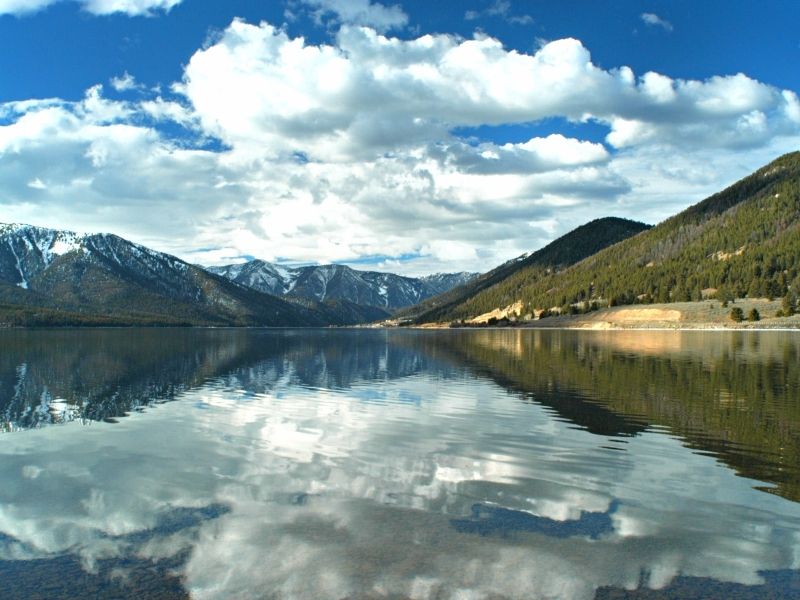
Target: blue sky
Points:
(63, 50)
(412, 136)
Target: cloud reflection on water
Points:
(292, 490)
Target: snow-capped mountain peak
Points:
(104, 278)
(339, 282)
(28, 250)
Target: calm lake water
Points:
(219, 464)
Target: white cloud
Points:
(534, 156)
(358, 12)
(654, 20)
(792, 106)
(501, 9)
(371, 94)
(129, 7)
(521, 19)
(168, 110)
(23, 7)
(97, 109)
(334, 152)
(105, 174)
(124, 82)
(96, 7)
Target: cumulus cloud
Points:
(654, 20)
(534, 156)
(97, 7)
(360, 12)
(99, 168)
(339, 151)
(370, 94)
(124, 82)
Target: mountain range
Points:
(339, 282)
(742, 241)
(58, 277)
(50, 276)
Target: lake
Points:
(217, 464)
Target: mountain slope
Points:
(493, 288)
(338, 282)
(104, 279)
(742, 241)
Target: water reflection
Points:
(402, 464)
(734, 395)
(492, 520)
(57, 376)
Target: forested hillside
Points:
(742, 241)
(503, 282)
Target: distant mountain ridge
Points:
(339, 282)
(481, 293)
(60, 277)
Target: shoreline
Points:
(698, 327)
(705, 315)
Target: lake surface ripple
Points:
(217, 464)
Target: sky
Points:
(412, 137)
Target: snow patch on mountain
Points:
(23, 282)
(62, 243)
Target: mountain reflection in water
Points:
(360, 463)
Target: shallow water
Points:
(399, 464)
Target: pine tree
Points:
(788, 306)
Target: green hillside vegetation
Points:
(15, 315)
(741, 242)
(341, 312)
(97, 296)
(505, 281)
(22, 308)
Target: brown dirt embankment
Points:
(707, 314)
